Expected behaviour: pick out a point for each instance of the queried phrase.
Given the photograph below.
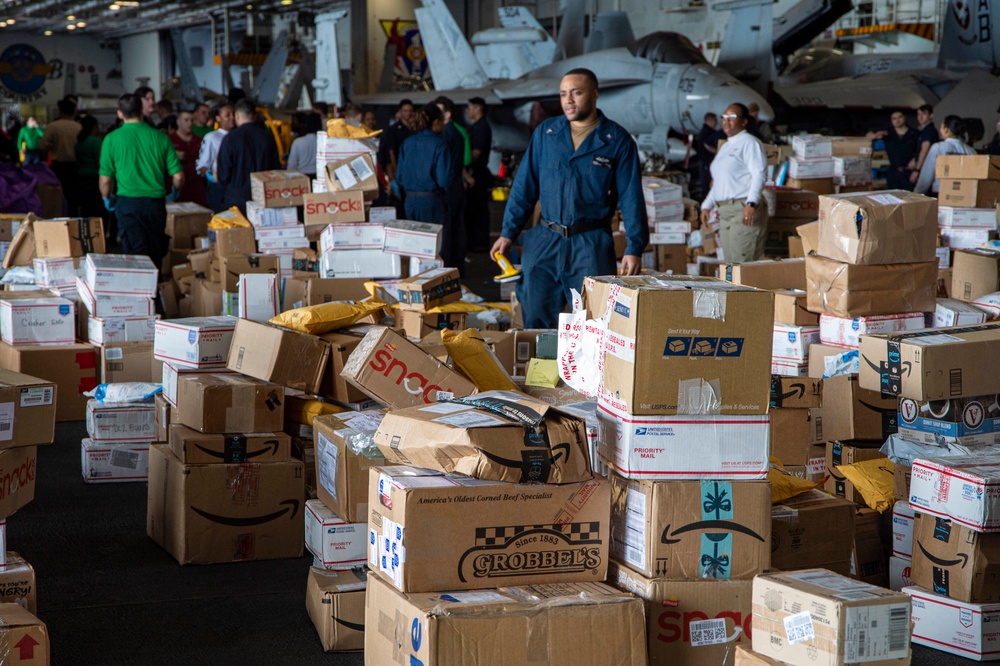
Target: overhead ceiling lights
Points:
(115, 7)
(70, 18)
(48, 33)
(11, 21)
(286, 2)
(81, 24)
(3, 24)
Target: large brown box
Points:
(130, 362)
(974, 273)
(869, 561)
(496, 435)
(421, 324)
(234, 265)
(193, 447)
(842, 453)
(767, 273)
(460, 533)
(279, 189)
(812, 530)
(27, 410)
(397, 373)
(852, 412)
(69, 237)
(73, 369)
(341, 474)
(889, 227)
(26, 638)
(796, 392)
(691, 529)
(968, 193)
(976, 167)
(233, 240)
(229, 403)
(17, 581)
(787, 202)
(679, 612)
(205, 514)
(333, 386)
(185, 222)
(335, 601)
(430, 289)
(955, 561)
(850, 290)
(278, 355)
(557, 625)
(790, 308)
(701, 345)
(933, 364)
(816, 185)
(300, 292)
(17, 478)
(791, 435)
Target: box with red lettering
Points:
(279, 189)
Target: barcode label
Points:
(469, 420)
(899, 628)
(523, 351)
(6, 421)
(799, 628)
(854, 596)
(955, 381)
(124, 458)
(36, 396)
(239, 358)
(708, 632)
(113, 353)
(631, 533)
(876, 633)
(116, 367)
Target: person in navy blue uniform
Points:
(424, 171)
(582, 167)
(453, 234)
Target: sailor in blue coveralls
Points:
(424, 170)
(582, 167)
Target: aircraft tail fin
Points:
(517, 17)
(610, 30)
(967, 38)
(746, 45)
(449, 55)
(570, 42)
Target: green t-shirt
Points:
(468, 146)
(88, 156)
(201, 132)
(139, 158)
(28, 138)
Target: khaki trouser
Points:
(741, 243)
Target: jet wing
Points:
(421, 97)
(874, 91)
(518, 90)
(542, 88)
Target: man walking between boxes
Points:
(247, 149)
(738, 173)
(582, 167)
(138, 158)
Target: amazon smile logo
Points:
(963, 558)
(250, 521)
(535, 464)
(235, 450)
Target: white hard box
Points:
(38, 321)
(121, 274)
(121, 422)
(114, 462)
(334, 543)
(197, 342)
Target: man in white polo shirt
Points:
(738, 173)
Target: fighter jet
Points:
(657, 84)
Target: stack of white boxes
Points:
(192, 346)
(966, 228)
(812, 158)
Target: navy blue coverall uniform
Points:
(453, 234)
(424, 171)
(247, 149)
(581, 189)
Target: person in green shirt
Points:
(137, 159)
(27, 142)
(201, 126)
(88, 160)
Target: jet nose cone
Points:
(766, 112)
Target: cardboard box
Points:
(17, 478)
(818, 617)
(195, 342)
(868, 561)
(496, 435)
(415, 239)
(232, 266)
(958, 238)
(966, 422)
(508, 626)
(334, 543)
(56, 271)
(26, 636)
(812, 530)
(316, 291)
(785, 202)
(233, 240)
(71, 367)
(789, 368)
(163, 417)
(767, 274)
(357, 236)
(69, 237)
(713, 529)
(354, 173)
(397, 373)
(671, 259)
(121, 422)
(171, 373)
(954, 626)
(333, 386)
(902, 529)
(111, 330)
(842, 332)
(841, 453)
(27, 410)
(262, 217)
(258, 297)
(817, 185)
(106, 305)
(802, 168)
(811, 146)
(333, 208)
(658, 447)
(229, 403)
(796, 392)
(204, 514)
(933, 364)
(959, 488)
(969, 193)
(975, 273)
(114, 461)
(185, 222)
(955, 561)
(746, 657)
(818, 354)
(121, 275)
(848, 290)
(419, 325)
(129, 362)
(791, 343)
(791, 436)
(852, 412)
(493, 532)
(967, 218)
(951, 312)
(193, 447)
(292, 359)
(684, 617)
(335, 601)
(38, 321)
(901, 482)
(279, 189)
(976, 167)
(17, 581)
(683, 345)
(341, 474)
(360, 264)
(889, 227)
(430, 289)
(790, 308)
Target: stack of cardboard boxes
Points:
(811, 165)
(969, 189)
(668, 226)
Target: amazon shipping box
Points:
(851, 412)
(335, 601)
(205, 514)
(229, 403)
(846, 453)
(341, 472)
(954, 560)
(193, 447)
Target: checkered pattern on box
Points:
(573, 532)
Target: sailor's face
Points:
(578, 97)
(733, 121)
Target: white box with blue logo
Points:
(968, 630)
(195, 342)
(38, 321)
(847, 332)
(963, 421)
(122, 274)
(790, 344)
(334, 543)
(123, 422)
(683, 344)
(965, 489)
